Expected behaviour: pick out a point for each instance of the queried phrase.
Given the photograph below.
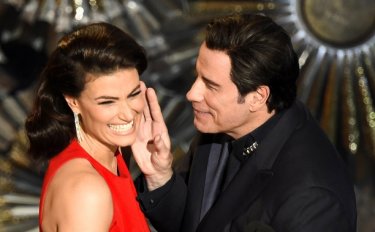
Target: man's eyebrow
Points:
(210, 82)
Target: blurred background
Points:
(335, 41)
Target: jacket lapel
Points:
(253, 177)
(197, 183)
(236, 197)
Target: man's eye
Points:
(211, 87)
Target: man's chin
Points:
(199, 126)
(203, 127)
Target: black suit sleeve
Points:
(164, 207)
(315, 209)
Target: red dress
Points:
(127, 214)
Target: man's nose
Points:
(195, 94)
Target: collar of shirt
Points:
(256, 135)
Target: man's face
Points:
(215, 98)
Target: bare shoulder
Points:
(80, 181)
(78, 196)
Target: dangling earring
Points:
(78, 128)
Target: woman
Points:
(89, 103)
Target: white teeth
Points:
(122, 127)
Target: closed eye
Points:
(105, 102)
(135, 93)
(210, 84)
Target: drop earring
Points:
(78, 128)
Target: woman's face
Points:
(110, 108)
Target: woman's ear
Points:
(72, 103)
(258, 99)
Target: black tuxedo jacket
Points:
(297, 182)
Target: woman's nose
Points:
(125, 112)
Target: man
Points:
(260, 161)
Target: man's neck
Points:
(257, 119)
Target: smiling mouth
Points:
(121, 128)
(200, 113)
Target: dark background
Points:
(335, 41)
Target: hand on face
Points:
(151, 150)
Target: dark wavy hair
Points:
(95, 49)
(261, 53)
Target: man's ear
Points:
(72, 103)
(258, 99)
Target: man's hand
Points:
(152, 148)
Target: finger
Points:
(146, 110)
(155, 109)
(162, 149)
(166, 139)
